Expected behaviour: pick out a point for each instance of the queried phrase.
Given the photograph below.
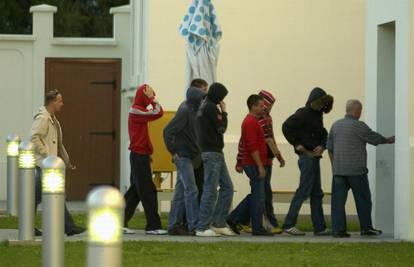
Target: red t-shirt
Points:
(252, 139)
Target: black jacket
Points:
(305, 127)
(180, 133)
(211, 122)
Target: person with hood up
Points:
(142, 187)
(46, 135)
(304, 130)
(181, 141)
(212, 124)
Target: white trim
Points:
(43, 8)
(84, 41)
(17, 37)
(120, 9)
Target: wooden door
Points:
(90, 120)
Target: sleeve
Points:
(324, 137)
(144, 115)
(240, 153)
(329, 142)
(38, 132)
(173, 128)
(368, 135)
(218, 119)
(251, 138)
(291, 128)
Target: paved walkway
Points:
(12, 234)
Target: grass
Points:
(229, 254)
(138, 222)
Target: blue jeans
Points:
(185, 196)
(360, 189)
(309, 187)
(253, 205)
(213, 209)
(244, 216)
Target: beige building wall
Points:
(284, 46)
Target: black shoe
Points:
(341, 235)
(263, 233)
(179, 230)
(371, 232)
(75, 230)
(233, 227)
(37, 232)
(323, 232)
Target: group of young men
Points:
(204, 189)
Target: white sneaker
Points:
(207, 233)
(156, 232)
(294, 231)
(128, 231)
(223, 231)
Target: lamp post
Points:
(53, 197)
(26, 190)
(106, 211)
(13, 142)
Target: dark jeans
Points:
(309, 187)
(142, 189)
(69, 223)
(253, 205)
(199, 179)
(362, 195)
(269, 211)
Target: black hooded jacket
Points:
(211, 122)
(180, 133)
(305, 127)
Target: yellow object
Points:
(104, 226)
(53, 181)
(26, 159)
(13, 148)
(161, 158)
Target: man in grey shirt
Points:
(347, 150)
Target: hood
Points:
(319, 100)
(194, 96)
(141, 100)
(216, 93)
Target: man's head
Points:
(200, 84)
(53, 101)
(354, 108)
(256, 105)
(268, 99)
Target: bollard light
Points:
(26, 190)
(53, 198)
(106, 211)
(13, 142)
(26, 155)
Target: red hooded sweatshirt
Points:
(138, 119)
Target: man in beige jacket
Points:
(46, 135)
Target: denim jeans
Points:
(244, 216)
(69, 223)
(360, 189)
(253, 205)
(214, 209)
(309, 187)
(185, 196)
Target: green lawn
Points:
(229, 254)
(138, 222)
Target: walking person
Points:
(181, 141)
(142, 187)
(346, 145)
(304, 130)
(215, 204)
(46, 135)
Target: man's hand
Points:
(300, 148)
(318, 151)
(262, 172)
(391, 140)
(281, 160)
(149, 92)
(222, 106)
(176, 157)
(238, 169)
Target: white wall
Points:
(22, 73)
(380, 12)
